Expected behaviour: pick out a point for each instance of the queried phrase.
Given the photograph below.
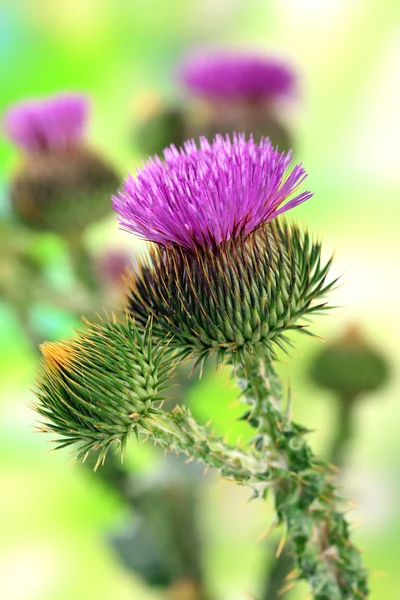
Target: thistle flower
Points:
(111, 266)
(61, 185)
(223, 277)
(239, 92)
(54, 123)
(200, 197)
(98, 388)
(231, 76)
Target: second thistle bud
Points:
(98, 388)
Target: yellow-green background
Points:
(53, 519)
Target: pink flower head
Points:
(204, 196)
(237, 77)
(49, 124)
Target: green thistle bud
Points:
(63, 190)
(232, 297)
(101, 386)
(167, 126)
(350, 366)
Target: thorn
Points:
(334, 468)
(293, 574)
(281, 546)
(267, 532)
(379, 574)
(226, 436)
(288, 586)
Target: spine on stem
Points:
(306, 501)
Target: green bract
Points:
(97, 388)
(234, 296)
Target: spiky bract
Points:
(233, 297)
(101, 386)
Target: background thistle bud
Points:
(97, 388)
(350, 366)
(60, 185)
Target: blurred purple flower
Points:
(112, 264)
(49, 124)
(201, 197)
(237, 76)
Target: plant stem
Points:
(81, 261)
(344, 431)
(305, 495)
(277, 576)
(169, 513)
(281, 460)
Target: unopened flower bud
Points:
(350, 366)
(99, 387)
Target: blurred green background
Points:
(54, 519)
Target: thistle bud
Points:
(60, 185)
(98, 388)
(350, 366)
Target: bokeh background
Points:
(54, 519)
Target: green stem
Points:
(175, 521)
(82, 261)
(277, 576)
(279, 459)
(305, 497)
(344, 431)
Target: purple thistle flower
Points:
(204, 196)
(49, 124)
(237, 77)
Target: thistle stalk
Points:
(81, 261)
(279, 459)
(305, 498)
